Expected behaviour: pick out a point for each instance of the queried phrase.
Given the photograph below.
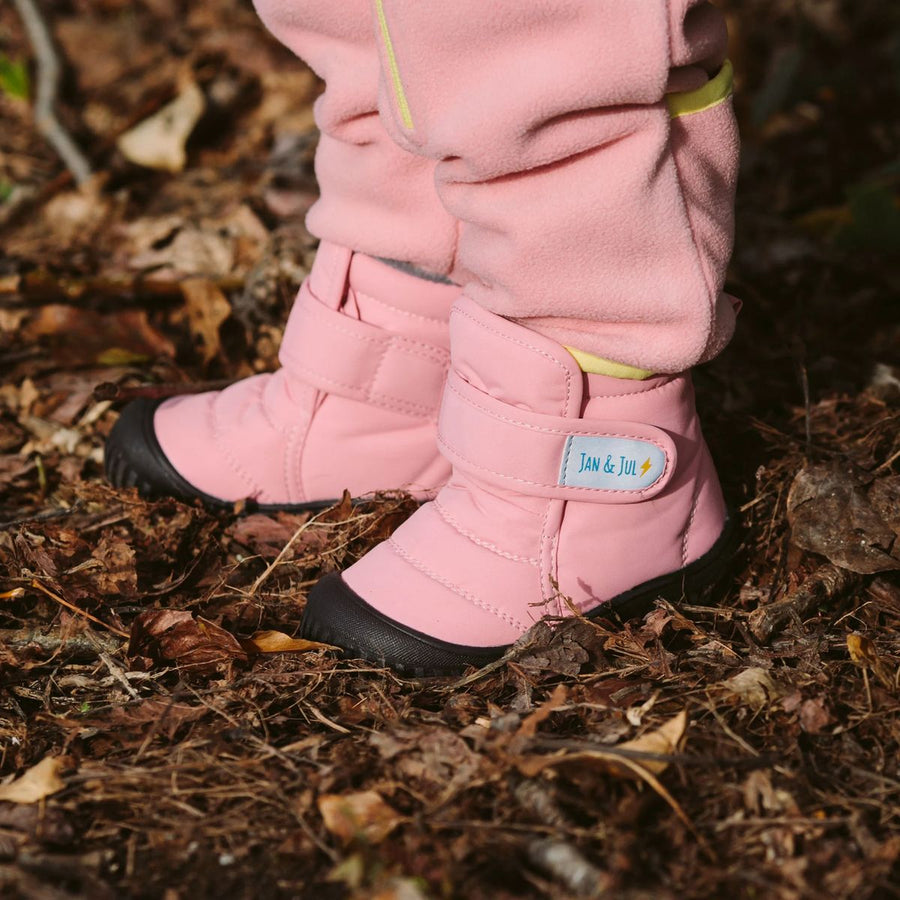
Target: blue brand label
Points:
(611, 463)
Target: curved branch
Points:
(48, 72)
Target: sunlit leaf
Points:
(38, 782)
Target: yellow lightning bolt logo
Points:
(645, 467)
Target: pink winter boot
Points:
(569, 492)
(354, 406)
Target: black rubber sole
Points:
(133, 458)
(336, 615)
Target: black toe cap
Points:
(134, 458)
(337, 615)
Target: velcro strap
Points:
(344, 356)
(550, 456)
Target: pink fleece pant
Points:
(527, 149)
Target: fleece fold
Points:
(528, 151)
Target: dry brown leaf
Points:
(171, 635)
(530, 723)
(159, 142)
(75, 216)
(118, 575)
(156, 711)
(207, 309)
(761, 796)
(36, 783)
(79, 336)
(279, 642)
(561, 651)
(865, 654)
(265, 535)
(831, 513)
(862, 649)
(362, 815)
(755, 686)
(664, 741)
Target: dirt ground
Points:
(163, 735)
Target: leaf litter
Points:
(165, 731)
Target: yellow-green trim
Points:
(717, 90)
(399, 93)
(596, 365)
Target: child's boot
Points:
(354, 406)
(569, 493)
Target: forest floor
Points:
(161, 735)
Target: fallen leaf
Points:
(664, 741)
(530, 724)
(118, 575)
(755, 686)
(207, 309)
(79, 336)
(864, 653)
(159, 142)
(279, 642)
(74, 215)
(193, 252)
(761, 796)
(830, 513)
(363, 815)
(563, 651)
(437, 760)
(36, 783)
(266, 535)
(862, 649)
(884, 496)
(171, 635)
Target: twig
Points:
(48, 71)
(117, 673)
(78, 646)
(825, 584)
(39, 587)
(277, 561)
(44, 516)
(108, 390)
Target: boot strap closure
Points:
(344, 356)
(551, 456)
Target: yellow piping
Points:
(714, 92)
(399, 93)
(596, 365)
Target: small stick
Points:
(118, 674)
(48, 70)
(277, 561)
(108, 390)
(38, 586)
(827, 583)
(81, 646)
(43, 516)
